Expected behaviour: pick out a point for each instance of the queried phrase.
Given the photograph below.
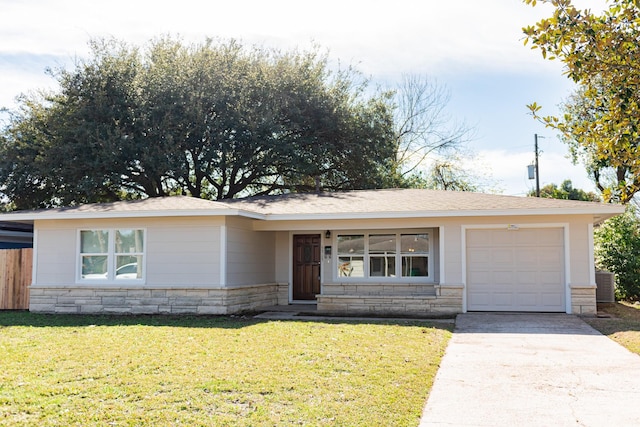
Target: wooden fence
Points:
(15, 278)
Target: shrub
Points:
(617, 249)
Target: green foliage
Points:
(617, 249)
(601, 122)
(566, 191)
(212, 120)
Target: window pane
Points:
(382, 266)
(382, 244)
(94, 267)
(351, 266)
(94, 241)
(415, 266)
(129, 241)
(128, 267)
(351, 244)
(414, 244)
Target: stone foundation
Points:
(583, 300)
(391, 299)
(153, 300)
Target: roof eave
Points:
(39, 216)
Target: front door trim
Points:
(292, 237)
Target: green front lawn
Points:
(214, 371)
(622, 325)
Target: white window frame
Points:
(398, 278)
(112, 256)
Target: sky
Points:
(475, 49)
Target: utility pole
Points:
(537, 167)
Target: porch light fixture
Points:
(327, 235)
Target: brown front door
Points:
(306, 266)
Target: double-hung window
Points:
(111, 255)
(384, 255)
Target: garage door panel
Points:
(525, 256)
(500, 239)
(480, 277)
(527, 299)
(551, 257)
(501, 256)
(550, 277)
(549, 299)
(478, 256)
(526, 278)
(515, 270)
(524, 236)
(503, 278)
(477, 239)
(479, 299)
(504, 299)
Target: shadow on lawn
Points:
(26, 318)
(619, 318)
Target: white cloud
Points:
(383, 36)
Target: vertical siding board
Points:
(3, 280)
(26, 270)
(15, 278)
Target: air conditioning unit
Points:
(606, 288)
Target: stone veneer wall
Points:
(384, 299)
(153, 300)
(583, 300)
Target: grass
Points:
(623, 325)
(214, 371)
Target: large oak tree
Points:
(214, 120)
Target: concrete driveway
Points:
(533, 370)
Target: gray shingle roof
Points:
(173, 203)
(404, 201)
(352, 204)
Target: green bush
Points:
(617, 249)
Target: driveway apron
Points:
(533, 370)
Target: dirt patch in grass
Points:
(156, 370)
(621, 322)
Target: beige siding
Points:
(579, 263)
(580, 258)
(250, 254)
(453, 253)
(55, 256)
(179, 251)
(186, 253)
(282, 254)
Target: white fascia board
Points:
(35, 216)
(443, 214)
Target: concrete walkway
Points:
(533, 370)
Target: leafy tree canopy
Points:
(566, 191)
(601, 124)
(212, 120)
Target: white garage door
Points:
(515, 270)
